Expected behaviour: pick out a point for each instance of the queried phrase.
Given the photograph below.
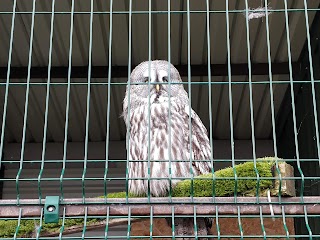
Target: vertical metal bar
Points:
(306, 221)
(45, 127)
(65, 144)
(149, 103)
(84, 223)
(129, 223)
(274, 136)
(169, 103)
(189, 93)
(151, 222)
(210, 93)
(195, 222)
(292, 100)
(40, 225)
(63, 223)
(6, 95)
(26, 105)
(284, 222)
(173, 224)
(217, 223)
(106, 230)
(18, 225)
(230, 103)
(108, 100)
(88, 106)
(128, 87)
(314, 101)
(239, 223)
(261, 223)
(251, 103)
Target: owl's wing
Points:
(201, 148)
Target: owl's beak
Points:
(157, 87)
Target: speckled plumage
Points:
(146, 114)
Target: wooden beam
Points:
(161, 206)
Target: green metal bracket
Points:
(51, 209)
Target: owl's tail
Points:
(185, 227)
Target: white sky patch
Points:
(259, 12)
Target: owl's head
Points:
(154, 80)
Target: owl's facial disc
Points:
(157, 78)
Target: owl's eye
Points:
(146, 79)
(165, 79)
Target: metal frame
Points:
(306, 206)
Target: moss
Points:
(29, 227)
(221, 183)
(7, 228)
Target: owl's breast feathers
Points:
(161, 140)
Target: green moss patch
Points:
(241, 180)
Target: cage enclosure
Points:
(251, 72)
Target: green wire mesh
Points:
(64, 63)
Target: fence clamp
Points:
(51, 209)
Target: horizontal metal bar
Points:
(122, 71)
(32, 162)
(76, 83)
(161, 206)
(164, 11)
(57, 179)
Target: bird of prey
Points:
(157, 116)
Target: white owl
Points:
(158, 116)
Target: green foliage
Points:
(221, 183)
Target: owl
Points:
(167, 141)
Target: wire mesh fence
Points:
(251, 73)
